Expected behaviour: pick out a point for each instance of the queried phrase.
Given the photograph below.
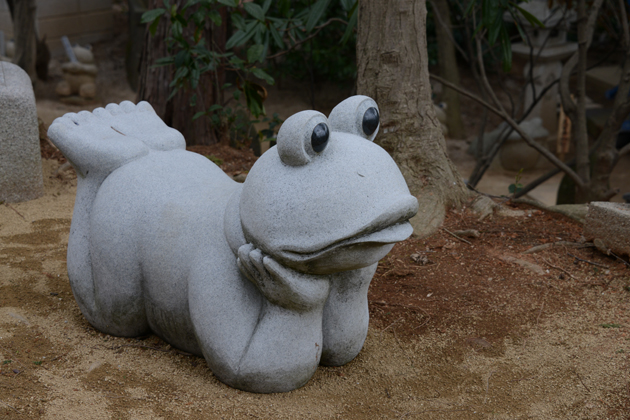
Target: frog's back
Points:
(163, 210)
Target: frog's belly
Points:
(168, 208)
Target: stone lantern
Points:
(548, 47)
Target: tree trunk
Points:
(154, 84)
(448, 68)
(392, 64)
(25, 37)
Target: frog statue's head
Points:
(326, 198)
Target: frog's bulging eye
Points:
(370, 121)
(319, 138)
(356, 115)
(302, 137)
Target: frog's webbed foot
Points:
(282, 286)
(93, 146)
(141, 122)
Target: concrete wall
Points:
(82, 21)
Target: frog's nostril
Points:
(370, 121)
(319, 138)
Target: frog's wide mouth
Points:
(362, 247)
(389, 235)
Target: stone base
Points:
(20, 159)
(610, 223)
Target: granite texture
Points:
(265, 279)
(610, 224)
(20, 160)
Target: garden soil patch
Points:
(458, 329)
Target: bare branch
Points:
(308, 38)
(502, 113)
(484, 78)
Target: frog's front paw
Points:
(280, 285)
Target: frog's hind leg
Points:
(141, 122)
(95, 149)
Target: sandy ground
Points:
(527, 347)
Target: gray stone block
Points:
(20, 158)
(265, 279)
(610, 223)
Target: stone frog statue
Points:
(265, 279)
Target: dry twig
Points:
(12, 208)
(559, 268)
(619, 258)
(386, 328)
(455, 236)
(487, 386)
(587, 261)
(10, 406)
(554, 244)
(580, 378)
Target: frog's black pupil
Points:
(370, 121)
(319, 138)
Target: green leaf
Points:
(180, 73)
(198, 114)
(255, 11)
(181, 58)
(261, 74)
(533, 20)
(518, 26)
(347, 5)
(164, 61)
(255, 53)
(176, 29)
(151, 15)
(173, 93)
(181, 20)
(229, 3)
(276, 36)
(153, 26)
(506, 48)
(215, 17)
(352, 23)
(316, 14)
(240, 37)
(284, 6)
(489, 11)
(174, 10)
(494, 29)
(235, 40)
(238, 22)
(266, 5)
(471, 4)
(214, 107)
